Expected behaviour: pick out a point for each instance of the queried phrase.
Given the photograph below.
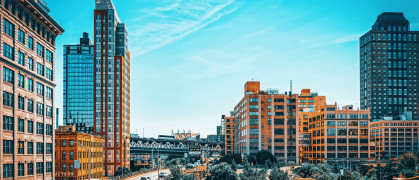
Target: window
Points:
(331, 132)
(331, 123)
(49, 148)
(341, 123)
(353, 116)
(30, 63)
(341, 132)
(49, 130)
(8, 75)
(21, 80)
(49, 92)
(71, 155)
(71, 143)
(8, 51)
(49, 56)
(40, 108)
(8, 99)
(39, 148)
(8, 147)
(30, 168)
(279, 131)
(39, 168)
(48, 111)
(30, 127)
(253, 100)
(20, 169)
(30, 84)
(21, 36)
(363, 116)
(30, 42)
(39, 128)
(40, 69)
(40, 89)
(64, 156)
(21, 147)
(8, 123)
(64, 143)
(30, 147)
(21, 125)
(21, 58)
(71, 167)
(7, 170)
(8, 28)
(40, 49)
(30, 105)
(48, 73)
(21, 103)
(49, 167)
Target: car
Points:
(163, 174)
(145, 178)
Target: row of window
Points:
(8, 147)
(8, 76)
(8, 170)
(8, 124)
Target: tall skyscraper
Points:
(389, 68)
(27, 109)
(112, 85)
(78, 85)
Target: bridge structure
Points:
(144, 150)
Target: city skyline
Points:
(248, 40)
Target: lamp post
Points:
(158, 162)
(88, 150)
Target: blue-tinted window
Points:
(21, 58)
(8, 51)
(21, 37)
(8, 28)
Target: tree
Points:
(408, 160)
(408, 173)
(121, 171)
(318, 172)
(277, 174)
(250, 173)
(222, 171)
(229, 158)
(263, 156)
(234, 166)
(176, 161)
(177, 175)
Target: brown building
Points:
(338, 135)
(229, 135)
(266, 120)
(394, 138)
(112, 85)
(69, 148)
(27, 66)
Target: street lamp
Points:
(88, 150)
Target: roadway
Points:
(153, 175)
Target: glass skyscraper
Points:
(389, 67)
(78, 85)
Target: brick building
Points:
(229, 135)
(338, 135)
(27, 67)
(393, 138)
(69, 148)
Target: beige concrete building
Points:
(27, 66)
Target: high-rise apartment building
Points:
(112, 85)
(78, 85)
(27, 66)
(389, 68)
(266, 120)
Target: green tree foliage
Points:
(177, 175)
(250, 173)
(175, 161)
(277, 174)
(121, 171)
(408, 173)
(234, 166)
(229, 158)
(408, 160)
(262, 157)
(222, 171)
(318, 172)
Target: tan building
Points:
(112, 85)
(27, 67)
(338, 135)
(229, 135)
(394, 138)
(69, 148)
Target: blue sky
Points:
(191, 58)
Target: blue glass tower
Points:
(78, 85)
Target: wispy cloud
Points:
(170, 21)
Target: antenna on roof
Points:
(290, 87)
